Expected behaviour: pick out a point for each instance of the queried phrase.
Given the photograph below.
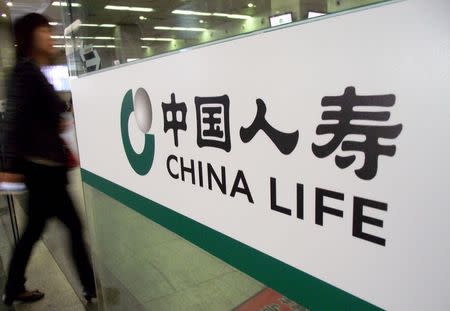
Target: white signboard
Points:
(338, 167)
(90, 58)
(280, 19)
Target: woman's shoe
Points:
(26, 296)
(89, 296)
(7, 300)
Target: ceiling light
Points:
(104, 46)
(97, 25)
(9, 3)
(54, 24)
(179, 28)
(63, 3)
(129, 60)
(142, 18)
(233, 16)
(157, 39)
(145, 47)
(4, 15)
(59, 37)
(186, 12)
(96, 38)
(60, 46)
(104, 38)
(239, 16)
(251, 5)
(201, 21)
(221, 14)
(128, 8)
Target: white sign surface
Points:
(393, 58)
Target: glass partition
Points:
(141, 265)
(102, 34)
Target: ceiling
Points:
(22, 7)
(94, 12)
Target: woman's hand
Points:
(11, 177)
(64, 125)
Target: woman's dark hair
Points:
(23, 30)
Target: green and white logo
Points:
(142, 107)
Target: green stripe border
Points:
(287, 280)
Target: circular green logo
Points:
(142, 107)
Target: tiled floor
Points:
(158, 269)
(43, 273)
(140, 265)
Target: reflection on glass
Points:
(121, 31)
(58, 76)
(141, 265)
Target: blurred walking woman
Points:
(34, 115)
